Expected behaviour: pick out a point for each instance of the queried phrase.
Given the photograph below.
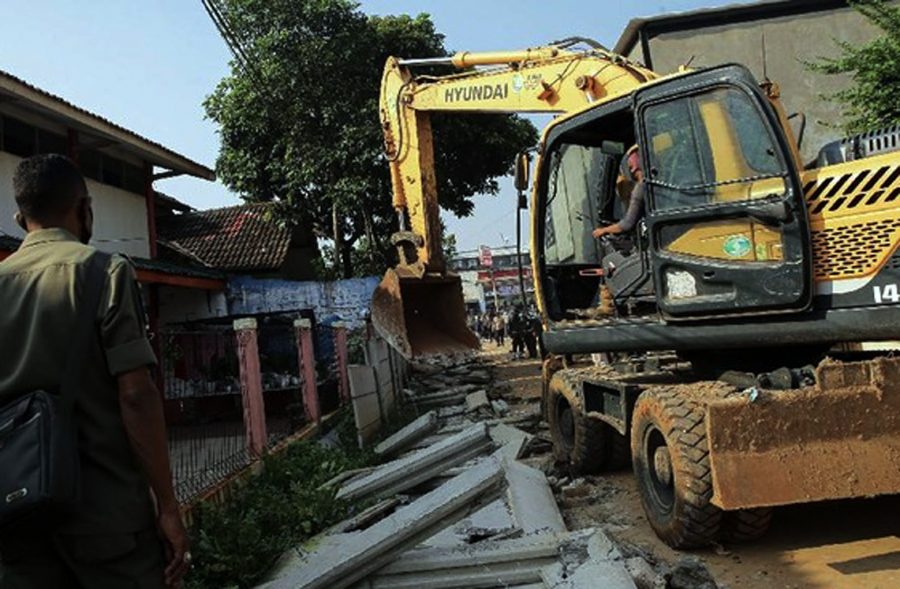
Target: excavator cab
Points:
(724, 230)
(726, 220)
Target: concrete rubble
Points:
(403, 439)
(453, 507)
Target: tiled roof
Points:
(240, 238)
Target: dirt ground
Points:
(834, 545)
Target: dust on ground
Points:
(832, 545)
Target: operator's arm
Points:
(128, 355)
(631, 218)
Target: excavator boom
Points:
(419, 306)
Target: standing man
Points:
(127, 530)
(499, 328)
(517, 329)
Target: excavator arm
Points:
(419, 306)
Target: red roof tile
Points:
(240, 238)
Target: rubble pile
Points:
(453, 505)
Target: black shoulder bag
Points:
(39, 463)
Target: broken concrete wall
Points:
(364, 397)
(376, 387)
(341, 300)
(391, 372)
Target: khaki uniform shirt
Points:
(41, 286)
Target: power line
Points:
(226, 31)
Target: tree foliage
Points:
(301, 127)
(870, 101)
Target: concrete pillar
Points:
(251, 385)
(341, 360)
(303, 331)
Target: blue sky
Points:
(149, 65)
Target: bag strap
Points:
(85, 331)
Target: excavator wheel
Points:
(745, 525)
(580, 443)
(671, 462)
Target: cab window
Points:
(711, 147)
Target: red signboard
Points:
(485, 256)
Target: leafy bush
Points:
(236, 543)
(870, 100)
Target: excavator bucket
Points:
(422, 316)
(837, 440)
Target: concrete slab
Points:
(365, 517)
(511, 439)
(591, 575)
(364, 398)
(493, 519)
(431, 440)
(489, 563)
(424, 426)
(433, 402)
(452, 428)
(531, 500)
(601, 547)
(296, 557)
(360, 554)
(445, 392)
(345, 476)
(409, 471)
(448, 412)
(598, 564)
(477, 400)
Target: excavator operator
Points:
(617, 247)
(631, 170)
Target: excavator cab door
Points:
(725, 215)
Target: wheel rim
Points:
(661, 475)
(566, 420)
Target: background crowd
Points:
(518, 324)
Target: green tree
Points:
(870, 101)
(300, 126)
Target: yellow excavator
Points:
(744, 359)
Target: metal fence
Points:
(204, 405)
(281, 377)
(204, 415)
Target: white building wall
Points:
(178, 305)
(120, 217)
(120, 220)
(473, 291)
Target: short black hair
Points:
(48, 186)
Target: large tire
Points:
(671, 462)
(579, 443)
(745, 525)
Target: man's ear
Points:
(20, 221)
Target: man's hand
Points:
(176, 544)
(142, 414)
(600, 232)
